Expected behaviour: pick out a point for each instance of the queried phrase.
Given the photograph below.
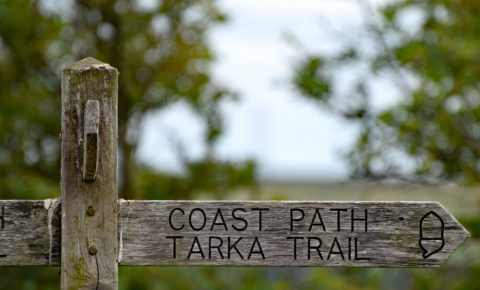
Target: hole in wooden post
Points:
(92, 250)
(90, 211)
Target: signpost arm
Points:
(89, 176)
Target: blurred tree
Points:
(30, 101)
(429, 50)
(162, 52)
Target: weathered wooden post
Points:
(89, 176)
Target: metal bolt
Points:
(90, 211)
(92, 250)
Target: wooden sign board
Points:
(30, 232)
(238, 233)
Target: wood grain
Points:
(391, 240)
(30, 232)
(89, 208)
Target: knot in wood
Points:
(90, 211)
(92, 250)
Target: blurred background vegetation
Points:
(164, 57)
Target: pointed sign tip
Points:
(88, 63)
(466, 234)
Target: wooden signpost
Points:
(88, 232)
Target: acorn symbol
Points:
(431, 234)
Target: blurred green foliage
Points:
(429, 51)
(472, 223)
(162, 51)
(30, 102)
(208, 177)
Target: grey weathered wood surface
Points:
(89, 240)
(30, 232)
(392, 238)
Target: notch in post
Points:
(90, 140)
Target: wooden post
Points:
(89, 199)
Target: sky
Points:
(289, 137)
